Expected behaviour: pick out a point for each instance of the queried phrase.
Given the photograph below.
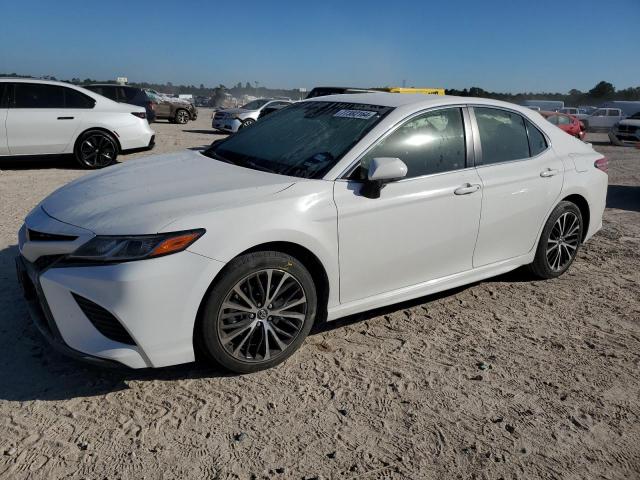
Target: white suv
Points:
(52, 118)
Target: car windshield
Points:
(635, 116)
(304, 140)
(256, 104)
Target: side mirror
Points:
(381, 171)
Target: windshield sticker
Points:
(361, 114)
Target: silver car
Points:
(626, 132)
(231, 120)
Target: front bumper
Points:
(231, 125)
(43, 320)
(625, 138)
(156, 301)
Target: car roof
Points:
(35, 80)
(412, 100)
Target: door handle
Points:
(466, 189)
(549, 172)
(65, 118)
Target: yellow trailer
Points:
(428, 91)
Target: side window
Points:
(553, 119)
(502, 135)
(613, 113)
(601, 112)
(537, 142)
(3, 100)
(109, 92)
(564, 120)
(430, 143)
(76, 99)
(38, 95)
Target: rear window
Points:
(76, 99)
(503, 135)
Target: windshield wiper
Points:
(209, 152)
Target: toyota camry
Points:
(332, 206)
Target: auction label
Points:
(361, 114)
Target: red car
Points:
(566, 122)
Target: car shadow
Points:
(205, 132)
(31, 370)
(39, 162)
(624, 197)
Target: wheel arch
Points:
(582, 204)
(102, 129)
(307, 257)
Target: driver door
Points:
(422, 227)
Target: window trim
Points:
(469, 137)
(478, 145)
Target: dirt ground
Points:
(508, 378)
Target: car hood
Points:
(630, 121)
(143, 196)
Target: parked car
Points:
(268, 109)
(567, 123)
(627, 131)
(602, 119)
(323, 91)
(52, 118)
(176, 110)
(230, 120)
(126, 94)
(335, 205)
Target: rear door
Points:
(4, 93)
(38, 121)
(521, 180)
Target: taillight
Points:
(602, 164)
(139, 114)
(152, 105)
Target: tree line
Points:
(601, 92)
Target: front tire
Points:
(96, 149)
(559, 243)
(259, 313)
(181, 117)
(247, 123)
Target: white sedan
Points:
(40, 117)
(329, 207)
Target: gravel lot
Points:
(507, 378)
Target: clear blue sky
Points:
(500, 45)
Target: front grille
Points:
(35, 236)
(104, 321)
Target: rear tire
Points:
(259, 312)
(559, 242)
(96, 149)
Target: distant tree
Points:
(603, 90)
(247, 85)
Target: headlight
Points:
(135, 247)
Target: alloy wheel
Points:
(97, 151)
(182, 117)
(262, 315)
(563, 242)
